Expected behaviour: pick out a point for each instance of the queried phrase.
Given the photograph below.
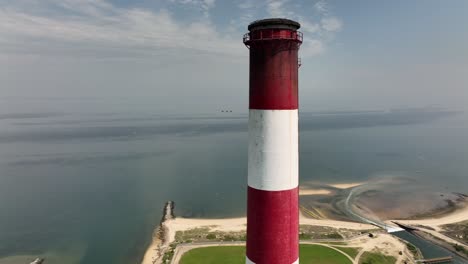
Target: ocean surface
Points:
(89, 187)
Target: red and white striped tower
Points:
(273, 170)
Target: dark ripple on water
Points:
(87, 158)
(212, 125)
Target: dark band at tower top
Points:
(280, 23)
(273, 29)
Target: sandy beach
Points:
(346, 185)
(304, 190)
(150, 254)
(239, 224)
(436, 223)
(314, 192)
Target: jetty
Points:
(406, 227)
(436, 260)
(168, 211)
(160, 244)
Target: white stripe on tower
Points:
(273, 150)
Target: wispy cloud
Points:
(246, 4)
(312, 47)
(101, 25)
(309, 26)
(100, 28)
(204, 5)
(319, 27)
(331, 24)
(246, 15)
(321, 7)
(276, 8)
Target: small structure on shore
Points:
(38, 261)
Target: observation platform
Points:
(273, 29)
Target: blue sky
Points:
(188, 54)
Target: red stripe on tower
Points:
(273, 171)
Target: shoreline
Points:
(159, 242)
(323, 190)
(170, 226)
(457, 216)
(431, 229)
(239, 224)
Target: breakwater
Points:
(160, 241)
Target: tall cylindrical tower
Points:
(273, 171)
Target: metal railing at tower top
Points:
(272, 34)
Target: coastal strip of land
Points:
(435, 230)
(153, 254)
(167, 231)
(437, 222)
(304, 190)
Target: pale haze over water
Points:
(89, 186)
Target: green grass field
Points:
(352, 252)
(316, 254)
(375, 258)
(215, 255)
(309, 254)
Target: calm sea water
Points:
(89, 187)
